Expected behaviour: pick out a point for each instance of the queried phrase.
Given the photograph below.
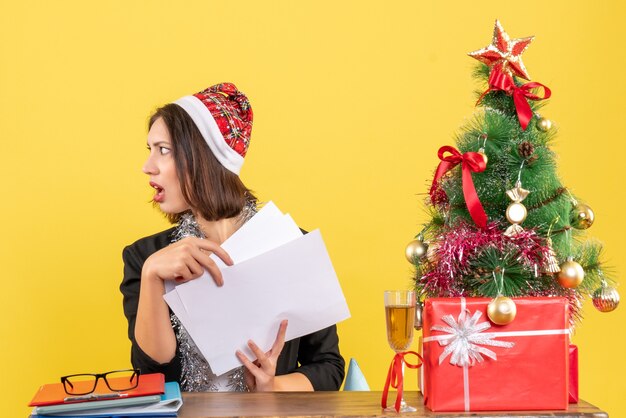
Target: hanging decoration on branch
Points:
(605, 298)
(504, 56)
(516, 212)
(582, 216)
(571, 274)
(544, 125)
(551, 263)
(471, 162)
(481, 150)
(484, 155)
(416, 249)
(501, 310)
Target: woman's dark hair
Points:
(210, 189)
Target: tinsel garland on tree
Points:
(531, 242)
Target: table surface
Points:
(337, 404)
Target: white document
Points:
(267, 229)
(278, 274)
(296, 282)
(259, 235)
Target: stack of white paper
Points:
(278, 273)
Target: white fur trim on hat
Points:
(207, 126)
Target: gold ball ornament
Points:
(582, 216)
(605, 299)
(516, 213)
(415, 250)
(571, 274)
(544, 125)
(501, 310)
(483, 154)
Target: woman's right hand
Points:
(186, 260)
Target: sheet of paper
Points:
(255, 238)
(295, 281)
(267, 229)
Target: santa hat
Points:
(224, 118)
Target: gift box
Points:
(471, 364)
(573, 374)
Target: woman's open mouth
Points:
(160, 194)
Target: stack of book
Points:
(152, 397)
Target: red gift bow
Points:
(395, 378)
(470, 162)
(499, 80)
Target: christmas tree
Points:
(502, 224)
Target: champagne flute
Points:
(400, 314)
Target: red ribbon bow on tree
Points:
(499, 80)
(470, 162)
(395, 377)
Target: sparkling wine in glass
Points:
(400, 315)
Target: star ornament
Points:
(504, 53)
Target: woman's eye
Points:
(164, 150)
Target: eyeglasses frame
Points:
(97, 376)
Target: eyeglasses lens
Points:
(122, 380)
(80, 384)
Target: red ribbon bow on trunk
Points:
(470, 162)
(395, 377)
(499, 80)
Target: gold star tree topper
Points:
(504, 52)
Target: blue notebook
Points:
(166, 405)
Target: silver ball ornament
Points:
(605, 299)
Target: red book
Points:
(54, 393)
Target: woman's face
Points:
(161, 168)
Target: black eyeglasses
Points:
(117, 380)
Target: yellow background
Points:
(351, 101)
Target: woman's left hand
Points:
(260, 374)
